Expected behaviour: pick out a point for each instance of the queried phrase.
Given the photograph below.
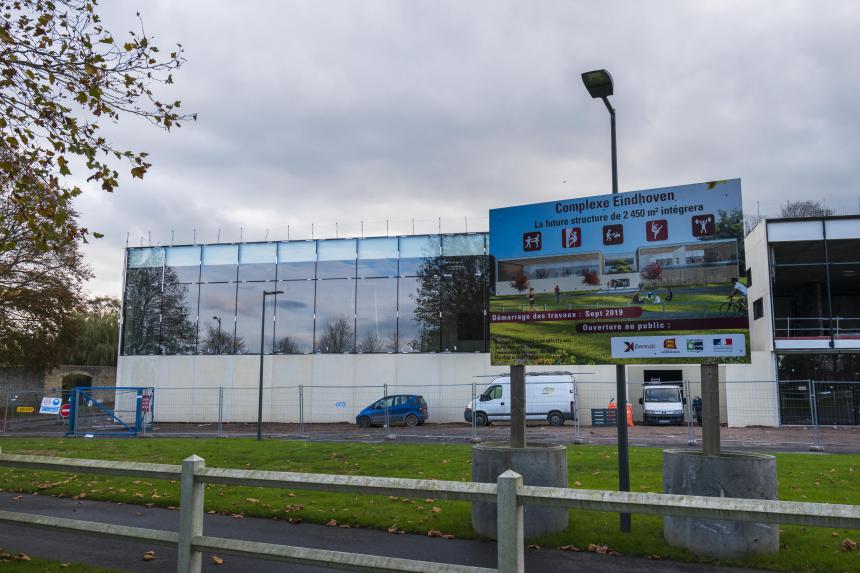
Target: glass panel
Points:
(294, 326)
(184, 262)
(335, 314)
(418, 303)
(462, 245)
(248, 310)
(800, 301)
(179, 318)
(219, 263)
(145, 257)
(336, 259)
(798, 252)
(257, 261)
(415, 251)
(844, 251)
(376, 315)
(297, 260)
(141, 324)
(377, 257)
(217, 319)
(463, 291)
(845, 298)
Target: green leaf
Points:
(98, 235)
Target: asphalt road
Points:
(128, 556)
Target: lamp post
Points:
(262, 355)
(599, 85)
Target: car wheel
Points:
(364, 422)
(411, 420)
(481, 419)
(555, 419)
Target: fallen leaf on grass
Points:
(237, 516)
(577, 483)
(436, 509)
(22, 557)
(429, 500)
(447, 536)
(848, 544)
(655, 557)
(344, 526)
(149, 555)
(331, 522)
(834, 534)
(602, 549)
(534, 546)
(395, 529)
(434, 533)
(217, 560)
(294, 520)
(252, 500)
(570, 548)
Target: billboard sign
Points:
(635, 277)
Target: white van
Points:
(549, 397)
(662, 404)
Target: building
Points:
(411, 312)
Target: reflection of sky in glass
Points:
(415, 250)
(248, 310)
(376, 315)
(185, 263)
(257, 262)
(216, 300)
(219, 263)
(295, 317)
(462, 245)
(335, 300)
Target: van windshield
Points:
(663, 395)
(492, 393)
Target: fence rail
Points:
(508, 492)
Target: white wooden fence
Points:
(509, 493)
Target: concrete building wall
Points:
(337, 387)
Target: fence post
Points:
(301, 410)
(387, 429)
(220, 411)
(475, 439)
(6, 407)
(577, 425)
(813, 412)
(190, 515)
(691, 439)
(509, 524)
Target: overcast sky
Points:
(327, 111)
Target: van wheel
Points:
(364, 422)
(481, 419)
(411, 420)
(555, 419)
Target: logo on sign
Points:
(657, 230)
(571, 238)
(695, 345)
(613, 234)
(670, 344)
(703, 225)
(532, 241)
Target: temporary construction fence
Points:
(767, 415)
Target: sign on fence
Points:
(642, 276)
(50, 405)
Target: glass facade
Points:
(374, 295)
(816, 288)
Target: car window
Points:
(398, 400)
(492, 393)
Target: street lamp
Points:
(599, 86)
(262, 355)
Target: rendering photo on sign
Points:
(637, 277)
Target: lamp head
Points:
(598, 83)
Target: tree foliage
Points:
(95, 333)
(39, 292)
(809, 208)
(338, 336)
(62, 74)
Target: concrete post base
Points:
(539, 464)
(731, 474)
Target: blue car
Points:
(407, 408)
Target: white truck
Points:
(549, 397)
(662, 404)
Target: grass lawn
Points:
(802, 477)
(12, 563)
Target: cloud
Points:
(323, 112)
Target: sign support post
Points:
(518, 406)
(711, 409)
